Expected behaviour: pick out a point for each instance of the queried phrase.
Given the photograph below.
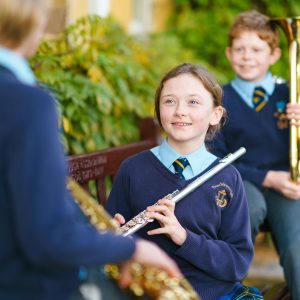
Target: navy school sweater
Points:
(42, 243)
(264, 134)
(218, 249)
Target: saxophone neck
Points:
(91, 208)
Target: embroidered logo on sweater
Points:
(280, 115)
(223, 194)
(221, 198)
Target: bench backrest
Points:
(100, 165)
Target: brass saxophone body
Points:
(291, 28)
(154, 282)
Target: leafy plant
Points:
(103, 81)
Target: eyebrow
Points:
(198, 95)
(167, 95)
(190, 95)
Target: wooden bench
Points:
(101, 166)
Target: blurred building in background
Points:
(136, 16)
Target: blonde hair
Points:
(19, 19)
(256, 22)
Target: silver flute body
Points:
(141, 219)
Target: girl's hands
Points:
(164, 214)
(120, 219)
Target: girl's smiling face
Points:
(186, 112)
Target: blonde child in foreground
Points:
(43, 245)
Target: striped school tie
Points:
(259, 98)
(179, 165)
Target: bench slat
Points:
(96, 166)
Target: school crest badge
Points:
(280, 115)
(221, 198)
(223, 194)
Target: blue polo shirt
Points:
(245, 88)
(199, 160)
(17, 65)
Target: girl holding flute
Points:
(208, 232)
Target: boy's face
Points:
(251, 57)
(186, 111)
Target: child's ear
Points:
(228, 53)
(276, 54)
(217, 115)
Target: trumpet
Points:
(141, 219)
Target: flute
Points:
(141, 219)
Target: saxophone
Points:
(152, 281)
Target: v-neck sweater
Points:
(218, 249)
(264, 134)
